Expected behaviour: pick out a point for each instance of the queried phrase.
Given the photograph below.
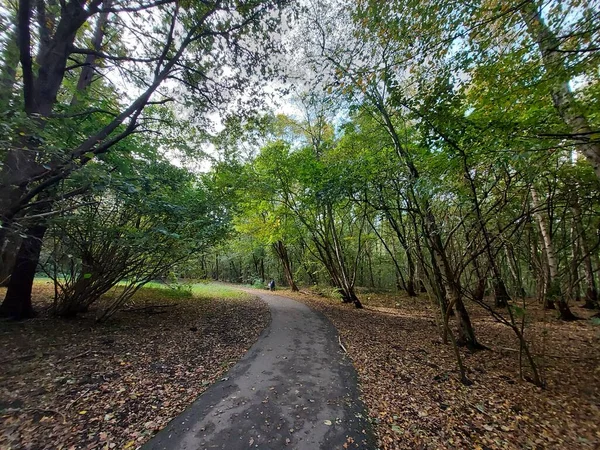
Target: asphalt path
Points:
(294, 389)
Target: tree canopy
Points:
(427, 147)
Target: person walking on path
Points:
(271, 285)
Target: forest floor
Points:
(78, 384)
(410, 382)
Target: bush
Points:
(257, 283)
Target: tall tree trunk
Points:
(540, 271)
(410, 283)
(8, 72)
(346, 280)
(554, 289)
(370, 266)
(501, 297)
(466, 332)
(87, 72)
(400, 230)
(281, 251)
(564, 101)
(479, 291)
(452, 288)
(591, 292)
(17, 303)
(573, 292)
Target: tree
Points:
(177, 42)
(149, 219)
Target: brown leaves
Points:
(410, 382)
(115, 385)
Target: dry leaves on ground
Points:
(410, 382)
(77, 384)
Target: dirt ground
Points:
(77, 384)
(411, 386)
(80, 385)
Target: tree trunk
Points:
(400, 230)
(262, 270)
(410, 283)
(562, 97)
(281, 250)
(8, 255)
(501, 297)
(349, 296)
(466, 332)
(479, 291)
(8, 72)
(88, 70)
(554, 289)
(573, 292)
(216, 275)
(17, 302)
(370, 266)
(591, 292)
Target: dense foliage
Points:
(440, 147)
(432, 147)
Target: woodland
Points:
(387, 163)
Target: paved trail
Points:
(294, 389)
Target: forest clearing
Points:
(419, 180)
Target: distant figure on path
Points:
(271, 285)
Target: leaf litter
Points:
(411, 388)
(81, 385)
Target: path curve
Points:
(294, 389)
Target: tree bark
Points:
(591, 292)
(87, 72)
(281, 251)
(8, 73)
(400, 230)
(48, 82)
(562, 97)
(554, 289)
(8, 255)
(466, 332)
(17, 303)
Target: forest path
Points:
(293, 389)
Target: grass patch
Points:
(217, 291)
(173, 291)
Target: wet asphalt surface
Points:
(294, 389)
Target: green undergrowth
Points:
(195, 290)
(216, 290)
(174, 291)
